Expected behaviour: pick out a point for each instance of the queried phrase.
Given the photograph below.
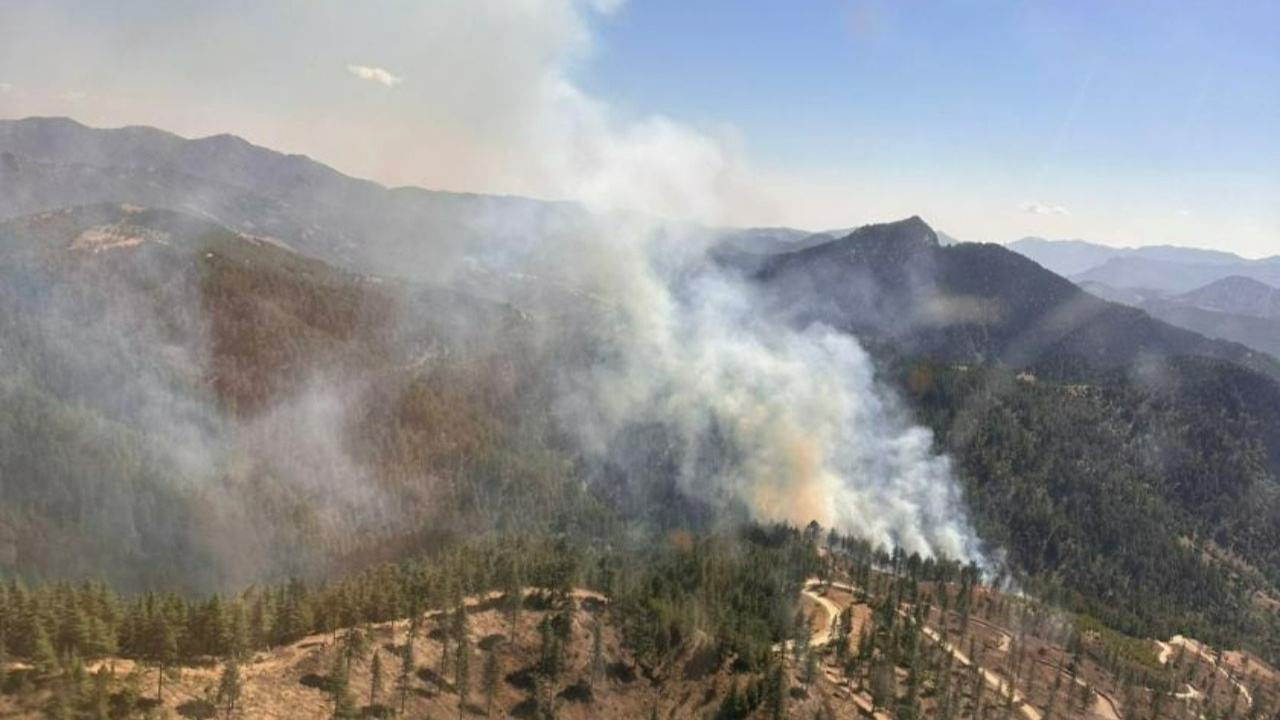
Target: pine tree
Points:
(908, 709)
(131, 693)
(60, 706)
(445, 652)
(375, 679)
(843, 630)
(229, 686)
(883, 683)
(72, 625)
(732, 704)
(548, 651)
(597, 653)
(77, 677)
(775, 690)
(404, 681)
(354, 646)
(344, 706)
(490, 676)
(100, 702)
(43, 654)
(810, 667)
(462, 670)
(549, 665)
(102, 639)
(163, 648)
(513, 602)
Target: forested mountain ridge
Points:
(49, 163)
(894, 283)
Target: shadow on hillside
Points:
(318, 682)
(579, 692)
(432, 678)
(489, 642)
(197, 709)
(522, 679)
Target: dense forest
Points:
(739, 587)
(1150, 504)
(721, 625)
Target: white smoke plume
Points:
(687, 346)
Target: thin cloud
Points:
(6, 87)
(1038, 208)
(72, 95)
(375, 74)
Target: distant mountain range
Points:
(1070, 258)
(1176, 277)
(1235, 308)
(1217, 294)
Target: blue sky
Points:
(1172, 108)
(1119, 121)
(1017, 84)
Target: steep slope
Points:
(895, 283)
(1262, 334)
(189, 406)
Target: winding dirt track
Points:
(1196, 647)
(993, 680)
(822, 635)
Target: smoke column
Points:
(813, 437)
(688, 346)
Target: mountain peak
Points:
(914, 225)
(1237, 295)
(899, 238)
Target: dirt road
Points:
(1196, 647)
(992, 680)
(823, 634)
